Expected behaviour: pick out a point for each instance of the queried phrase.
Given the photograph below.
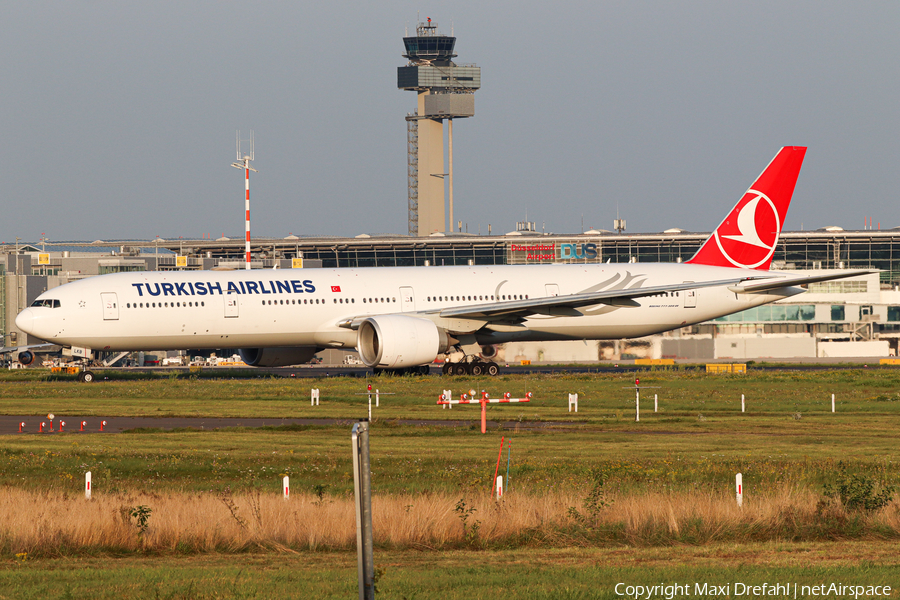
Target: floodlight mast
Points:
(244, 163)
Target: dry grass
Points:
(54, 524)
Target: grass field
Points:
(595, 497)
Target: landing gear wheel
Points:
(86, 377)
(423, 370)
(492, 369)
(460, 369)
(477, 369)
(447, 368)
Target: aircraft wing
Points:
(31, 347)
(566, 305)
(775, 282)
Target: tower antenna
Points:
(243, 162)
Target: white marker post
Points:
(446, 396)
(499, 486)
(739, 484)
(832, 403)
(573, 401)
(287, 487)
(314, 397)
(656, 403)
(637, 403)
(87, 485)
(376, 398)
(743, 406)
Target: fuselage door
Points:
(552, 289)
(231, 305)
(110, 306)
(407, 299)
(690, 297)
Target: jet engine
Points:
(26, 357)
(489, 351)
(398, 341)
(277, 357)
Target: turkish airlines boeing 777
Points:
(405, 317)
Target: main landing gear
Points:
(471, 365)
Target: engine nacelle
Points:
(489, 351)
(397, 341)
(26, 357)
(277, 357)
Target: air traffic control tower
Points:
(445, 91)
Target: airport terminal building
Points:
(850, 317)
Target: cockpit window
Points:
(46, 303)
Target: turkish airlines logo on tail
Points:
(748, 236)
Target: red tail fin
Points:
(748, 235)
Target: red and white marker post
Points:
(83, 423)
(484, 401)
(739, 484)
(87, 485)
(287, 487)
(102, 425)
(499, 485)
(21, 426)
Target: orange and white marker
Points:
(61, 425)
(87, 485)
(83, 423)
(287, 487)
(21, 426)
(484, 401)
(102, 425)
(41, 430)
(739, 484)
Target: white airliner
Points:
(405, 317)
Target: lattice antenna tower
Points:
(243, 162)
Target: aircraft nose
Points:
(25, 321)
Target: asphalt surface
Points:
(9, 424)
(361, 371)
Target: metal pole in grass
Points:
(508, 452)
(362, 487)
(739, 483)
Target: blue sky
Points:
(119, 118)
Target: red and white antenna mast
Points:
(244, 163)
